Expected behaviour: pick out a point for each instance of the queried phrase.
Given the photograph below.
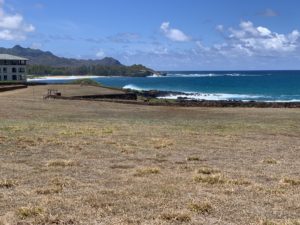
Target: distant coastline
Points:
(44, 63)
(58, 78)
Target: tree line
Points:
(135, 70)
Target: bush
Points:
(88, 82)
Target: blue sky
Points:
(161, 34)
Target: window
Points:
(14, 77)
(0, 77)
(21, 70)
(20, 77)
(14, 70)
(4, 70)
(0, 69)
(5, 77)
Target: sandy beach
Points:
(45, 78)
(84, 162)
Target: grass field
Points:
(81, 162)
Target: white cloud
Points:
(173, 34)
(201, 46)
(12, 26)
(161, 50)
(100, 54)
(11, 22)
(294, 36)
(262, 40)
(264, 31)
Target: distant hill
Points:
(46, 63)
(39, 57)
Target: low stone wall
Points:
(6, 87)
(125, 96)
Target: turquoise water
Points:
(216, 85)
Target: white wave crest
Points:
(212, 75)
(194, 75)
(155, 75)
(213, 97)
(133, 87)
(235, 75)
(291, 100)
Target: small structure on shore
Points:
(12, 68)
(52, 93)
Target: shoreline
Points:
(48, 78)
(167, 96)
(151, 98)
(175, 95)
(193, 103)
(161, 98)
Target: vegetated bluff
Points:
(46, 63)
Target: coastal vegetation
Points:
(89, 82)
(119, 70)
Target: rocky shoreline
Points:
(186, 102)
(157, 98)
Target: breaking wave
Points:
(210, 75)
(214, 96)
(134, 87)
(227, 97)
(219, 96)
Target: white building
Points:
(12, 68)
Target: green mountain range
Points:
(46, 63)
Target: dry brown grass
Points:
(291, 181)
(6, 183)
(239, 182)
(207, 171)
(202, 208)
(284, 222)
(29, 211)
(82, 162)
(49, 190)
(61, 163)
(211, 179)
(193, 158)
(270, 161)
(146, 171)
(179, 217)
(162, 143)
(3, 139)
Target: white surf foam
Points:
(155, 75)
(201, 96)
(213, 97)
(195, 75)
(291, 100)
(133, 87)
(212, 75)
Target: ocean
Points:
(268, 86)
